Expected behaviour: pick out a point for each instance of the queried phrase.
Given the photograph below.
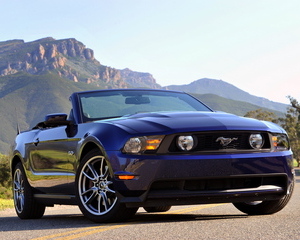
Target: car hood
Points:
(170, 122)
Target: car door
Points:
(49, 158)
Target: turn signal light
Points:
(126, 177)
(137, 145)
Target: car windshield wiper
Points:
(104, 118)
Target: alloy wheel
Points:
(95, 187)
(19, 190)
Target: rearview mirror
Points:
(137, 100)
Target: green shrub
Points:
(5, 178)
(5, 193)
(6, 203)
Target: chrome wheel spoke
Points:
(91, 197)
(105, 173)
(109, 189)
(20, 201)
(88, 176)
(103, 201)
(93, 171)
(101, 167)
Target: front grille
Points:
(219, 183)
(207, 141)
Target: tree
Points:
(291, 123)
(262, 115)
(5, 179)
(294, 103)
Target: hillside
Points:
(226, 90)
(26, 99)
(231, 106)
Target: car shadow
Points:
(145, 218)
(66, 221)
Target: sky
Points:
(252, 44)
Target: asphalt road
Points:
(220, 221)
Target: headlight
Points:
(256, 141)
(133, 145)
(280, 142)
(140, 144)
(185, 143)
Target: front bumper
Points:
(193, 179)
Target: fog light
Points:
(256, 141)
(185, 143)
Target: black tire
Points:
(157, 209)
(95, 192)
(265, 207)
(25, 205)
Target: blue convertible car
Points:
(122, 149)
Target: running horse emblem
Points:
(225, 141)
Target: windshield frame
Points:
(136, 99)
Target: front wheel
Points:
(25, 205)
(95, 191)
(265, 207)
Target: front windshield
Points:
(117, 103)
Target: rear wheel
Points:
(265, 207)
(157, 209)
(95, 191)
(25, 205)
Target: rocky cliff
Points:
(139, 79)
(68, 58)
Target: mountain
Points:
(37, 78)
(67, 58)
(138, 79)
(226, 90)
(70, 59)
(231, 106)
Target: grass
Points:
(6, 203)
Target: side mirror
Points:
(60, 119)
(54, 117)
(54, 120)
